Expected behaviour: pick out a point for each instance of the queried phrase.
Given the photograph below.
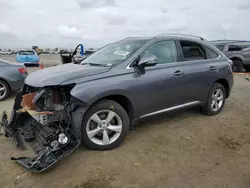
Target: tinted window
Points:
(165, 51)
(220, 47)
(211, 54)
(192, 51)
(234, 48)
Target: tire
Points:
(207, 108)
(237, 65)
(96, 141)
(5, 90)
(247, 68)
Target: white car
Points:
(5, 53)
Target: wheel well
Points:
(6, 83)
(225, 84)
(236, 58)
(124, 102)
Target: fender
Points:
(237, 56)
(91, 92)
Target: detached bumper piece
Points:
(50, 141)
(46, 158)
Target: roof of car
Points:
(169, 36)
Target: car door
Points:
(162, 85)
(200, 70)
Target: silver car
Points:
(12, 77)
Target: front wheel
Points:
(105, 125)
(215, 101)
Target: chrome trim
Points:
(172, 108)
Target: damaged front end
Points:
(41, 119)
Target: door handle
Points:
(178, 73)
(212, 68)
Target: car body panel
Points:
(9, 73)
(61, 73)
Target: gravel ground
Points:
(180, 149)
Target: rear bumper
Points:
(29, 135)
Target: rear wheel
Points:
(215, 101)
(237, 65)
(4, 90)
(105, 125)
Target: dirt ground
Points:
(184, 149)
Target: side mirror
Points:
(148, 61)
(145, 61)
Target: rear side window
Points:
(192, 51)
(26, 52)
(232, 48)
(211, 54)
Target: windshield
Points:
(28, 52)
(114, 53)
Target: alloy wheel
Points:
(3, 90)
(217, 100)
(104, 127)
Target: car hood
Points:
(58, 74)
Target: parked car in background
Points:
(5, 53)
(28, 57)
(97, 100)
(238, 53)
(12, 77)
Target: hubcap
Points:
(2, 90)
(104, 127)
(217, 100)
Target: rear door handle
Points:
(178, 73)
(212, 68)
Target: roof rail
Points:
(184, 35)
(127, 38)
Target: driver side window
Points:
(165, 51)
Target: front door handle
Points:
(178, 73)
(212, 68)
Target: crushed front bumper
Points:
(46, 156)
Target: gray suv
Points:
(238, 52)
(96, 102)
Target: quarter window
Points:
(211, 54)
(165, 51)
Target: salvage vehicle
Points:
(97, 101)
(28, 57)
(12, 77)
(235, 51)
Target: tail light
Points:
(23, 70)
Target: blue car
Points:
(28, 57)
